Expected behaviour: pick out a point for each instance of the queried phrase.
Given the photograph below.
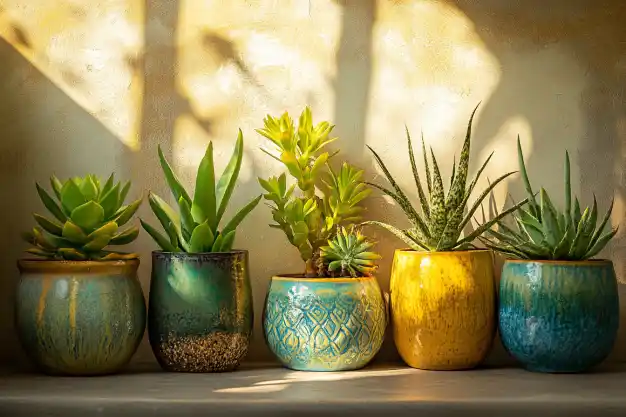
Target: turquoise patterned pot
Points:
(324, 324)
(200, 312)
(559, 316)
(79, 318)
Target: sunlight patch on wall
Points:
(430, 70)
(504, 147)
(89, 52)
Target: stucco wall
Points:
(94, 86)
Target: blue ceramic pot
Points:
(324, 324)
(79, 317)
(559, 316)
(200, 312)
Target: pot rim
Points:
(587, 262)
(198, 254)
(447, 252)
(64, 266)
(298, 277)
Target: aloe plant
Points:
(195, 228)
(307, 219)
(443, 216)
(349, 254)
(87, 219)
(542, 232)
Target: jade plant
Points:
(308, 219)
(542, 232)
(87, 219)
(444, 216)
(349, 254)
(195, 228)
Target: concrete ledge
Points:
(375, 391)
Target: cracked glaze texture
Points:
(324, 324)
(79, 318)
(200, 313)
(443, 308)
(558, 316)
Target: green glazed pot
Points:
(324, 324)
(200, 311)
(79, 317)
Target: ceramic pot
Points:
(200, 311)
(558, 316)
(443, 308)
(79, 317)
(324, 324)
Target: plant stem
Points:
(310, 270)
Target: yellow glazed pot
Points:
(443, 308)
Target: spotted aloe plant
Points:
(444, 216)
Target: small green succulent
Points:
(444, 216)
(307, 219)
(195, 228)
(88, 218)
(543, 233)
(348, 254)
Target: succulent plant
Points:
(349, 254)
(195, 228)
(542, 232)
(87, 220)
(307, 219)
(443, 216)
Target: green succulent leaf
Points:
(88, 216)
(72, 254)
(241, 214)
(161, 240)
(56, 186)
(71, 196)
(125, 237)
(128, 212)
(202, 239)
(110, 201)
(228, 179)
(172, 180)
(50, 204)
(204, 197)
(89, 189)
(49, 225)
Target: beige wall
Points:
(96, 85)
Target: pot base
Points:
(215, 352)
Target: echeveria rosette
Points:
(541, 232)
(444, 216)
(87, 219)
(195, 227)
(349, 254)
(326, 199)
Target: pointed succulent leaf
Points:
(74, 233)
(228, 179)
(50, 204)
(202, 239)
(88, 215)
(187, 222)
(400, 234)
(205, 188)
(238, 218)
(127, 213)
(580, 230)
(549, 222)
(125, 237)
(428, 179)
(56, 186)
(457, 190)
(600, 244)
(161, 240)
(225, 242)
(438, 213)
(49, 225)
(481, 229)
(109, 229)
(98, 243)
(72, 254)
(71, 196)
(533, 206)
(89, 189)
(108, 185)
(600, 229)
(117, 256)
(418, 182)
(110, 201)
(173, 182)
